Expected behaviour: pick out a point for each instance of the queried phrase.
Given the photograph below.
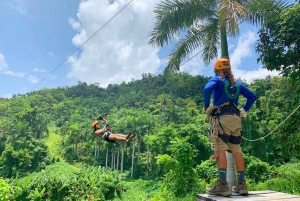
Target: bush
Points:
(287, 180)
(4, 190)
(257, 170)
(207, 170)
(180, 177)
(62, 181)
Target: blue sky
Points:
(38, 35)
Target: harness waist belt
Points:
(227, 108)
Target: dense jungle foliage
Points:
(48, 150)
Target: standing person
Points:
(226, 92)
(108, 134)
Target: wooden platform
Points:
(253, 196)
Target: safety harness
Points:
(227, 108)
(106, 134)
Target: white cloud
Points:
(7, 95)
(243, 50)
(250, 76)
(51, 77)
(16, 74)
(119, 51)
(3, 64)
(50, 54)
(195, 65)
(5, 69)
(39, 70)
(75, 24)
(18, 5)
(33, 79)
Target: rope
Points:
(274, 128)
(213, 130)
(214, 137)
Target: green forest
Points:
(48, 150)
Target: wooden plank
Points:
(253, 196)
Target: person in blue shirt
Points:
(226, 91)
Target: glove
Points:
(106, 124)
(243, 113)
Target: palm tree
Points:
(173, 114)
(204, 24)
(75, 135)
(149, 128)
(134, 125)
(121, 125)
(40, 125)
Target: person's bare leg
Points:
(222, 160)
(222, 165)
(239, 161)
(118, 137)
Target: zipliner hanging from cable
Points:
(107, 133)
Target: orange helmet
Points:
(95, 123)
(222, 63)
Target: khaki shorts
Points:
(231, 125)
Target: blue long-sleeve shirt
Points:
(216, 87)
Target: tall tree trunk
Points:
(106, 158)
(224, 44)
(148, 157)
(118, 158)
(139, 148)
(40, 135)
(99, 144)
(230, 162)
(76, 153)
(112, 158)
(132, 158)
(115, 158)
(96, 148)
(122, 158)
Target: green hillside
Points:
(44, 133)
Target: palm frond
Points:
(196, 36)
(211, 43)
(229, 14)
(257, 10)
(172, 16)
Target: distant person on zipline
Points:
(107, 133)
(226, 126)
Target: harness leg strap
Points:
(224, 137)
(235, 139)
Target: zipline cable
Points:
(274, 128)
(115, 15)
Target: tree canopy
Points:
(278, 46)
